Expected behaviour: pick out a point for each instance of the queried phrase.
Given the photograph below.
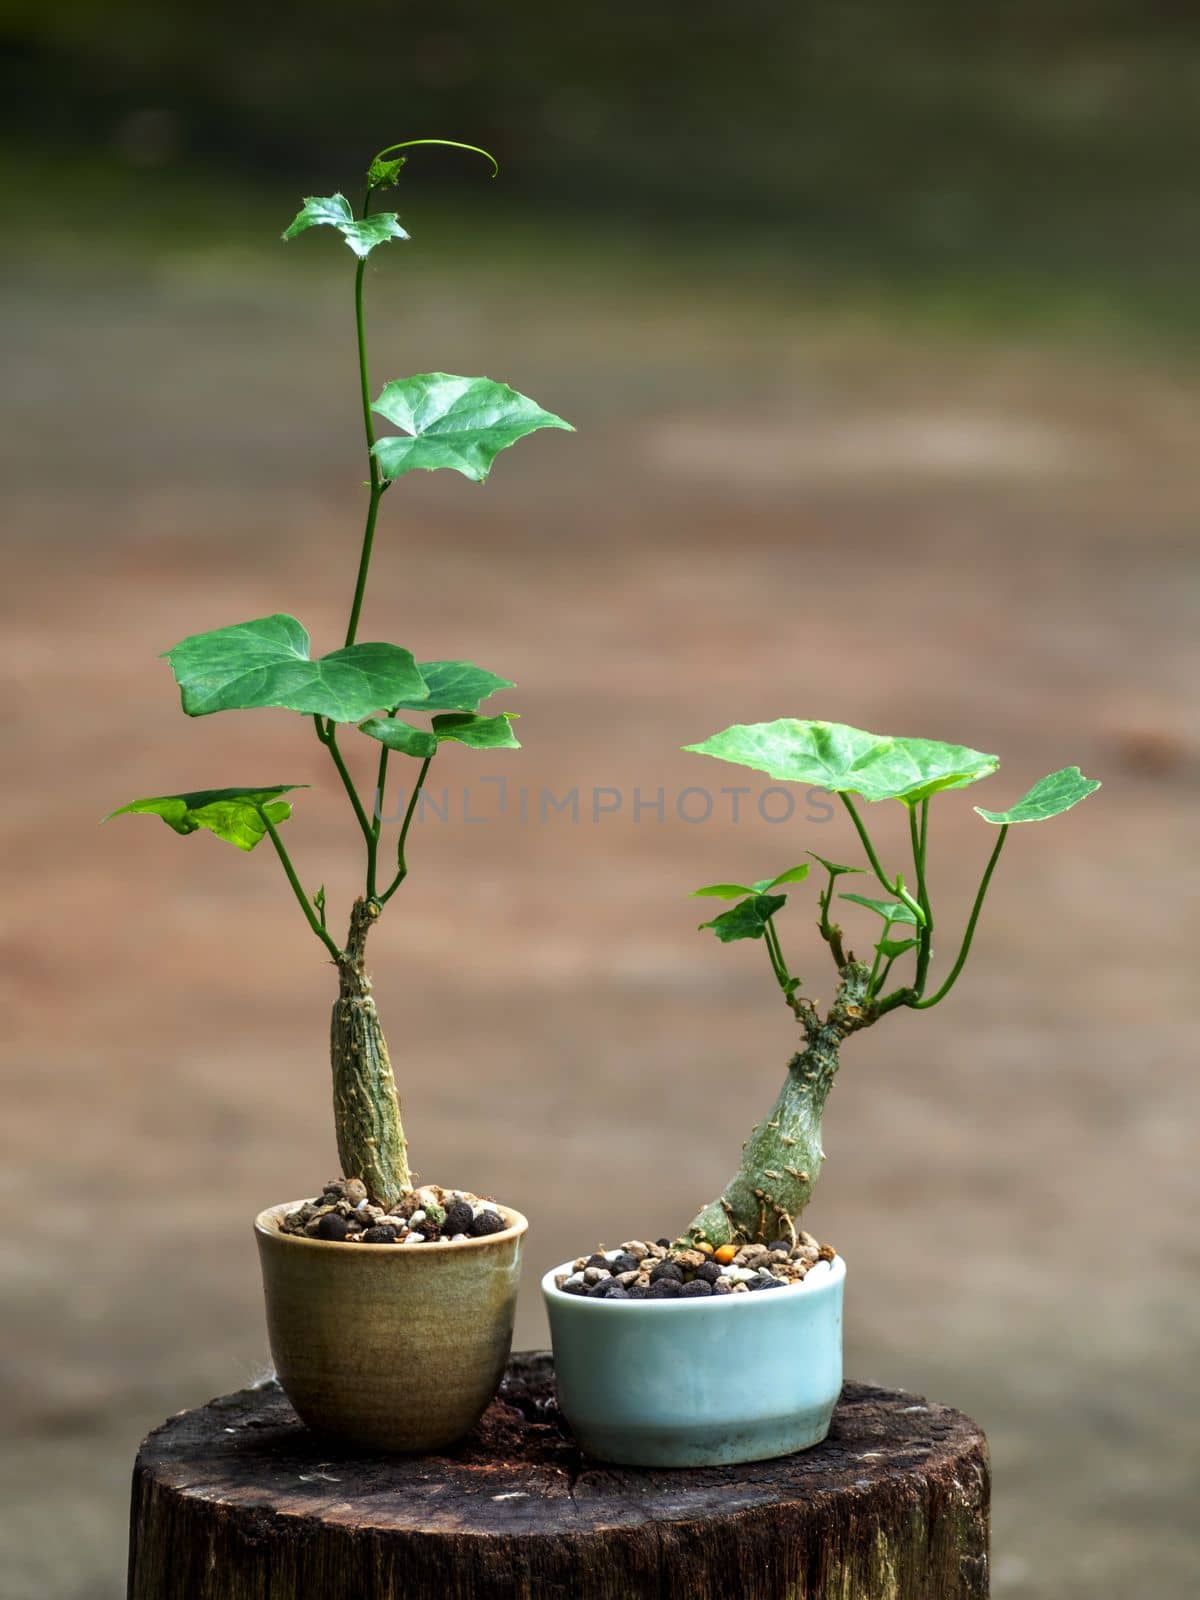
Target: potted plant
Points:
(373, 1339)
(671, 1359)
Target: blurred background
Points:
(880, 327)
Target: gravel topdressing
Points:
(342, 1214)
(666, 1271)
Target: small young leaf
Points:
(480, 733)
(835, 868)
(382, 174)
(792, 875)
(889, 910)
(891, 948)
(460, 423)
(747, 920)
(266, 663)
(453, 686)
(361, 234)
(1049, 797)
(845, 760)
(725, 891)
(400, 736)
(232, 814)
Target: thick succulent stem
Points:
(366, 1108)
(782, 1158)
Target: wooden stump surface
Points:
(238, 1501)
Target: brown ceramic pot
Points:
(395, 1347)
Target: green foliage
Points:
(480, 733)
(452, 686)
(460, 423)
(383, 174)
(235, 815)
(401, 737)
(267, 663)
(748, 920)
(844, 760)
(1049, 797)
(835, 869)
(731, 891)
(889, 910)
(891, 948)
(362, 234)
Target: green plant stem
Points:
(775, 953)
(376, 822)
(922, 1004)
(401, 863)
(328, 737)
(897, 888)
(368, 539)
(310, 915)
(918, 833)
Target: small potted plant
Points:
(389, 1306)
(669, 1353)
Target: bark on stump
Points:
(238, 1501)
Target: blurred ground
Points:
(766, 511)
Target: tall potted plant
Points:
(664, 1353)
(374, 1339)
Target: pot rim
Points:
(725, 1302)
(266, 1225)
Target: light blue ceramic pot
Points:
(699, 1383)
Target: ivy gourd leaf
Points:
(891, 948)
(381, 174)
(724, 891)
(362, 234)
(461, 423)
(266, 663)
(232, 814)
(401, 736)
(1050, 796)
(830, 755)
(747, 920)
(834, 868)
(480, 733)
(452, 686)
(889, 910)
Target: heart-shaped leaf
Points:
(266, 663)
(747, 920)
(480, 733)
(830, 755)
(1050, 796)
(362, 234)
(401, 737)
(889, 910)
(452, 686)
(834, 868)
(460, 423)
(891, 948)
(235, 815)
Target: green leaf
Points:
(830, 755)
(891, 948)
(1051, 795)
(835, 868)
(747, 920)
(266, 663)
(889, 910)
(361, 234)
(792, 875)
(481, 733)
(382, 174)
(461, 423)
(724, 891)
(232, 814)
(401, 736)
(452, 686)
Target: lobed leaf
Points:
(845, 760)
(747, 920)
(267, 663)
(362, 234)
(232, 814)
(480, 733)
(889, 910)
(460, 423)
(1049, 797)
(452, 686)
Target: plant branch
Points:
(918, 834)
(401, 863)
(897, 888)
(328, 737)
(830, 931)
(920, 1004)
(310, 915)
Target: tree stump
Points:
(238, 1501)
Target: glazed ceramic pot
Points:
(699, 1383)
(395, 1347)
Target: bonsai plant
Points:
(391, 1384)
(774, 1391)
